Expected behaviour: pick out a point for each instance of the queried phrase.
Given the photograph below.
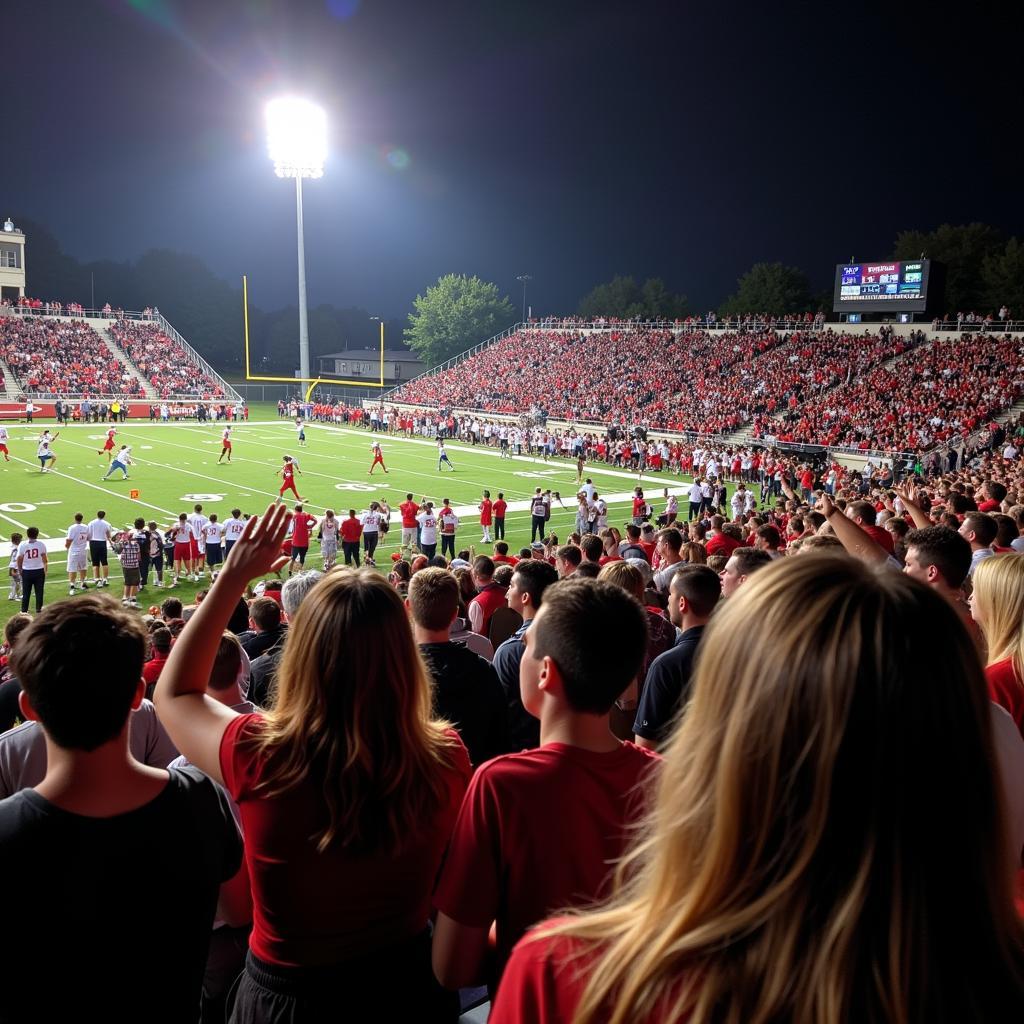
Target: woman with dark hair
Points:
(348, 792)
(828, 842)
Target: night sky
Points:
(568, 140)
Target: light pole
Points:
(524, 279)
(297, 143)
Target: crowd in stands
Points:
(694, 381)
(949, 388)
(822, 387)
(163, 362)
(62, 357)
(473, 741)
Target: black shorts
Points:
(213, 554)
(299, 554)
(98, 552)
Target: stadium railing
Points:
(197, 359)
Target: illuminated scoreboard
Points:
(899, 286)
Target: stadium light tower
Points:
(297, 143)
(524, 279)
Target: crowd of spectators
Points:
(949, 388)
(690, 381)
(62, 357)
(163, 362)
(474, 742)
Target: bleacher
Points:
(101, 354)
(803, 384)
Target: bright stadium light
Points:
(297, 143)
(296, 137)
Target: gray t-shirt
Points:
(23, 750)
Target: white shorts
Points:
(77, 560)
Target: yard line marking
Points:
(96, 487)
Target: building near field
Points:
(354, 364)
(12, 262)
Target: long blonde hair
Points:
(353, 716)
(999, 591)
(827, 843)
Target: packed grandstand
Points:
(771, 380)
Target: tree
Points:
(455, 314)
(963, 249)
(770, 288)
(1003, 279)
(622, 297)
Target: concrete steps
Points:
(122, 357)
(11, 389)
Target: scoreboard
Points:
(870, 287)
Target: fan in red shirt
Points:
(540, 829)
(720, 543)
(486, 508)
(409, 510)
(499, 509)
(348, 791)
(997, 605)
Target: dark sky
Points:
(566, 139)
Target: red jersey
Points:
(519, 810)
(288, 471)
(314, 908)
(499, 508)
(300, 530)
(720, 544)
(409, 510)
(485, 512)
(351, 529)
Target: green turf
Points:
(177, 466)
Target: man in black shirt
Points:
(119, 866)
(466, 688)
(693, 594)
(265, 627)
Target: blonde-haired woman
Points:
(997, 606)
(827, 844)
(348, 793)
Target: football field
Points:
(176, 467)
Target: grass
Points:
(176, 466)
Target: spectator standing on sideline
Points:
(486, 507)
(130, 555)
(32, 564)
(499, 509)
(100, 535)
(77, 544)
(351, 531)
(448, 522)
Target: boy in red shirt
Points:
(499, 509)
(539, 830)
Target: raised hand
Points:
(258, 549)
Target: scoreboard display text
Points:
(900, 286)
